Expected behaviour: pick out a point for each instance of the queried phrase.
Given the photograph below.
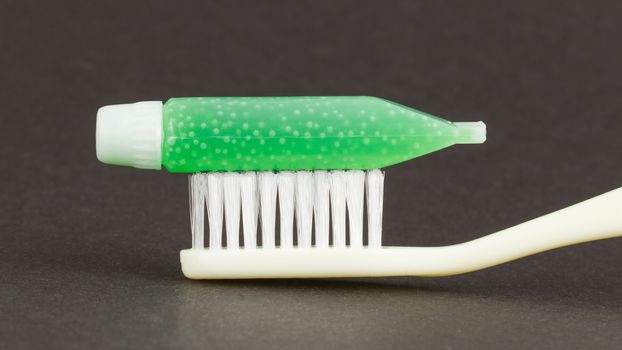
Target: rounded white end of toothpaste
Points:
(471, 132)
(130, 134)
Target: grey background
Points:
(89, 253)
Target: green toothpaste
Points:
(199, 134)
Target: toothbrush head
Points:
(328, 208)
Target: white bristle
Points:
(355, 191)
(267, 203)
(304, 207)
(375, 189)
(249, 208)
(286, 182)
(321, 207)
(214, 209)
(232, 196)
(198, 192)
(338, 207)
(316, 199)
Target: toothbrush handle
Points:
(594, 219)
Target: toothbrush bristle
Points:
(304, 207)
(232, 198)
(215, 209)
(374, 190)
(267, 204)
(198, 193)
(314, 198)
(355, 182)
(321, 208)
(249, 208)
(286, 183)
(338, 207)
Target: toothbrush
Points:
(326, 151)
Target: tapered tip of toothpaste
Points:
(471, 132)
(130, 134)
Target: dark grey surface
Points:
(89, 253)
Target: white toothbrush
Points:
(309, 196)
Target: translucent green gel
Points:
(298, 133)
